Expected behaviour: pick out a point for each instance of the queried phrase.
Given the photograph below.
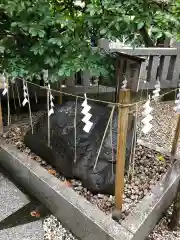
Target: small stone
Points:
(127, 200)
(79, 188)
(133, 197)
(145, 191)
(100, 196)
(111, 198)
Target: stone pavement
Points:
(16, 223)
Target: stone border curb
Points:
(141, 221)
(82, 218)
(78, 215)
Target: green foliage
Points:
(56, 34)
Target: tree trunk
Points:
(147, 40)
(175, 218)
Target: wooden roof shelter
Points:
(127, 68)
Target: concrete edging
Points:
(82, 218)
(149, 211)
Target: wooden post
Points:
(60, 94)
(48, 120)
(1, 119)
(60, 97)
(176, 137)
(124, 98)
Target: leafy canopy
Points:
(57, 34)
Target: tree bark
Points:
(147, 40)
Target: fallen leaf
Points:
(52, 171)
(35, 214)
(160, 158)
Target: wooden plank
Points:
(176, 73)
(48, 117)
(149, 69)
(136, 80)
(124, 98)
(128, 73)
(60, 96)
(154, 69)
(143, 74)
(163, 68)
(172, 63)
(86, 77)
(119, 76)
(70, 81)
(147, 51)
(134, 75)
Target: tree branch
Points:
(146, 38)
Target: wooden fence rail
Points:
(162, 63)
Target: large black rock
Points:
(61, 153)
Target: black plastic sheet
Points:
(61, 153)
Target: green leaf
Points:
(61, 72)
(56, 41)
(33, 32)
(2, 49)
(41, 33)
(117, 26)
(51, 61)
(103, 31)
(14, 24)
(159, 35)
(67, 73)
(140, 25)
(160, 158)
(14, 74)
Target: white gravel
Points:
(161, 231)
(55, 231)
(164, 125)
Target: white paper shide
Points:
(177, 102)
(124, 86)
(147, 117)
(51, 104)
(87, 115)
(25, 93)
(5, 87)
(156, 91)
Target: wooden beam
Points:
(147, 51)
(60, 96)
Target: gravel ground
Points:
(149, 166)
(161, 231)
(164, 124)
(55, 231)
(148, 169)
